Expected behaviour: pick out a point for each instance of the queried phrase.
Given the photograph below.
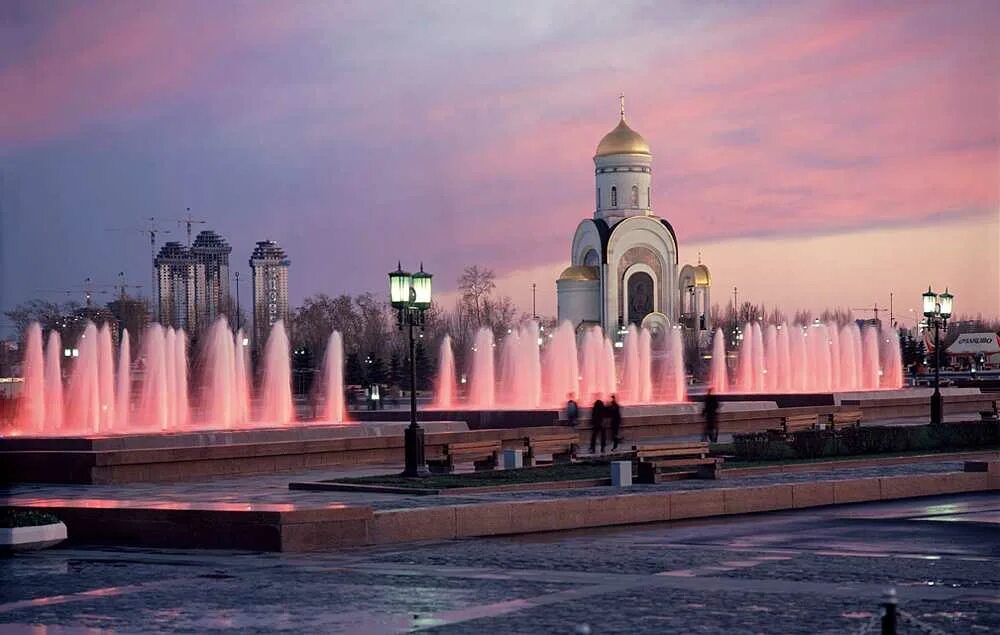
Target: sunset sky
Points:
(816, 154)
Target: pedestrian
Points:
(711, 413)
(597, 425)
(572, 411)
(615, 416)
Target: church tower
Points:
(623, 170)
(623, 261)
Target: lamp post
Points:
(410, 295)
(937, 310)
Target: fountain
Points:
(673, 385)
(31, 408)
(153, 397)
(333, 373)
(521, 369)
(531, 372)
(446, 387)
(123, 403)
(561, 366)
(276, 393)
(719, 379)
(241, 372)
(53, 384)
(482, 382)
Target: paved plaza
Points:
(811, 571)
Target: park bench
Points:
(797, 423)
(989, 415)
(844, 419)
(482, 455)
(662, 461)
(560, 446)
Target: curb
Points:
(518, 517)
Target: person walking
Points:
(597, 425)
(572, 411)
(711, 413)
(615, 417)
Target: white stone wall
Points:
(623, 172)
(579, 300)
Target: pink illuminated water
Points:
(529, 372)
(561, 365)
(520, 382)
(673, 386)
(276, 392)
(816, 358)
(53, 384)
(31, 408)
(333, 375)
(123, 389)
(719, 375)
(446, 385)
(482, 375)
(241, 375)
(220, 395)
(83, 411)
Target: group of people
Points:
(609, 415)
(604, 418)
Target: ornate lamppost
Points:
(410, 295)
(937, 310)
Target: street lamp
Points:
(410, 295)
(937, 310)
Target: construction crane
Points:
(187, 221)
(122, 286)
(152, 232)
(874, 310)
(88, 288)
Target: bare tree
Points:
(476, 285)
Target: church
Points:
(624, 260)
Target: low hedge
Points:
(862, 440)
(25, 518)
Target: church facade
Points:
(624, 260)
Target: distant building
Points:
(269, 269)
(210, 253)
(175, 279)
(132, 315)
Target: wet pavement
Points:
(809, 571)
(272, 489)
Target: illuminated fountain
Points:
(333, 378)
(276, 392)
(530, 372)
(816, 358)
(482, 376)
(31, 409)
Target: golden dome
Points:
(622, 140)
(579, 272)
(702, 277)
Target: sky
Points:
(815, 154)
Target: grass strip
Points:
(545, 474)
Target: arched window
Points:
(649, 199)
(635, 196)
(614, 196)
(598, 198)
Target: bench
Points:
(797, 423)
(662, 461)
(482, 455)
(844, 419)
(562, 447)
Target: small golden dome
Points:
(579, 272)
(702, 277)
(622, 140)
